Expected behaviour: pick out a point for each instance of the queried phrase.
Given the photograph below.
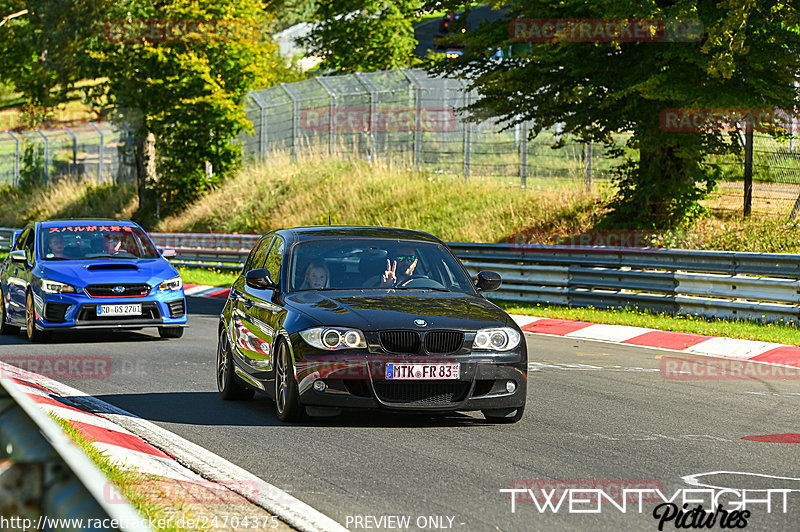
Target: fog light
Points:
(320, 385)
(510, 386)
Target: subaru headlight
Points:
(332, 338)
(171, 284)
(500, 339)
(55, 287)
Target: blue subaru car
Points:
(88, 274)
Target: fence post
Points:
(295, 118)
(587, 166)
(46, 170)
(373, 111)
(262, 132)
(523, 155)
(16, 157)
(418, 116)
(331, 112)
(100, 152)
(467, 140)
(748, 166)
(74, 151)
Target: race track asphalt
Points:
(599, 415)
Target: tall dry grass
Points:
(284, 193)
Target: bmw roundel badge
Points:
(420, 323)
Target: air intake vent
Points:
(421, 393)
(443, 342)
(400, 341)
(93, 267)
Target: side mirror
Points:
(18, 256)
(260, 279)
(488, 281)
(168, 253)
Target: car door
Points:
(18, 275)
(249, 333)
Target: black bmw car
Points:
(326, 318)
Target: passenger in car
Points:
(317, 276)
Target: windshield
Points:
(76, 242)
(347, 264)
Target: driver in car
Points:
(399, 269)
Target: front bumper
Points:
(79, 311)
(359, 381)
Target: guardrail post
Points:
(16, 157)
(100, 152)
(331, 112)
(262, 131)
(295, 118)
(74, 151)
(46, 170)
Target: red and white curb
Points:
(691, 344)
(135, 443)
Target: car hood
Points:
(378, 311)
(85, 272)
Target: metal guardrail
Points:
(6, 234)
(49, 481)
(722, 284)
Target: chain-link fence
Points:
(407, 117)
(99, 152)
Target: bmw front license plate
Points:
(422, 371)
(119, 310)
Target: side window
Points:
(20, 243)
(28, 246)
(258, 256)
(274, 260)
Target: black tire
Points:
(32, 333)
(227, 382)
(170, 332)
(513, 417)
(287, 400)
(5, 328)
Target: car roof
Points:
(355, 231)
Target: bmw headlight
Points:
(55, 287)
(332, 338)
(500, 339)
(171, 284)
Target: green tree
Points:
(363, 35)
(43, 51)
(186, 83)
(746, 57)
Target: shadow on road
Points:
(207, 409)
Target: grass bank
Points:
(284, 193)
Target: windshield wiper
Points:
(419, 288)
